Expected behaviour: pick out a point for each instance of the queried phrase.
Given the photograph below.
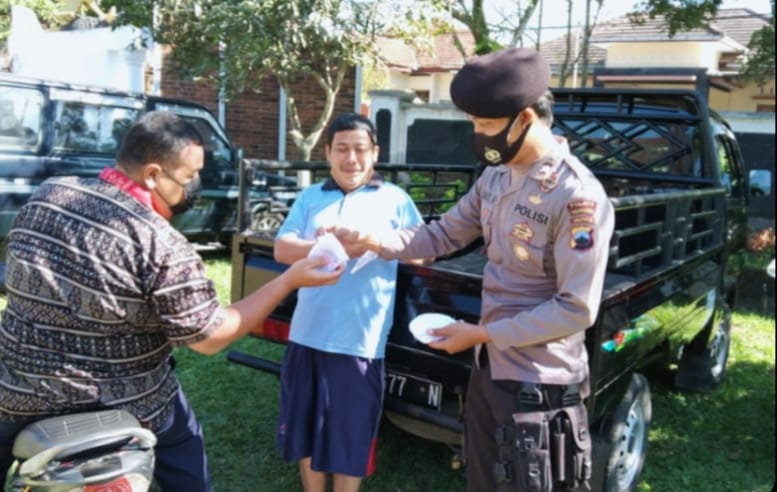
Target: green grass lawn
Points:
(722, 441)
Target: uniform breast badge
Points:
(521, 252)
(549, 182)
(523, 232)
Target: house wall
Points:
(652, 55)
(403, 81)
(436, 84)
(406, 128)
(744, 96)
(570, 83)
(748, 98)
(441, 87)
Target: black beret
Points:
(501, 83)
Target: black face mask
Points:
(493, 150)
(191, 193)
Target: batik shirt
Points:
(100, 289)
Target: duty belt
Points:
(533, 397)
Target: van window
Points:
(218, 149)
(20, 118)
(215, 147)
(81, 126)
(218, 170)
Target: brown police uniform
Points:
(547, 227)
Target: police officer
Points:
(546, 223)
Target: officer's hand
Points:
(307, 272)
(356, 243)
(459, 336)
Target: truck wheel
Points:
(264, 220)
(703, 363)
(626, 436)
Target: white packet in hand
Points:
(363, 260)
(328, 246)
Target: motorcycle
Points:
(102, 451)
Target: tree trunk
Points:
(587, 29)
(330, 84)
(569, 58)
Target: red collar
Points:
(120, 180)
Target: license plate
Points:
(414, 390)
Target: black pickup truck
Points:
(673, 172)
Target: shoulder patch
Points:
(581, 206)
(582, 237)
(581, 211)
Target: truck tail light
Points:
(273, 329)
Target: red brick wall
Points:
(252, 117)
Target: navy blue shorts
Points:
(330, 410)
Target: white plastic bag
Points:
(328, 246)
(363, 260)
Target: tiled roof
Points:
(443, 57)
(736, 24)
(621, 30)
(740, 24)
(555, 50)
(446, 55)
(396, 53)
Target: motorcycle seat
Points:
(76, 433)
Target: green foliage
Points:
(509, 20)
(760, 63)
(440, 196)
(678, 15)
(721, 441)
(755, 260)
(236, 44)
(44, 9)
(758, 253)
(374, 77)
(285, 39)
